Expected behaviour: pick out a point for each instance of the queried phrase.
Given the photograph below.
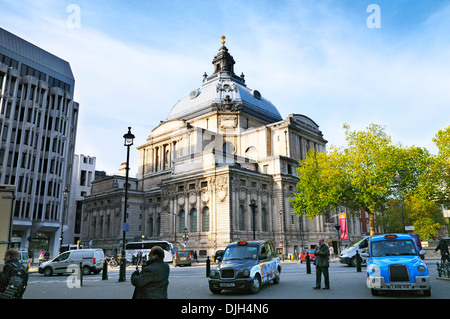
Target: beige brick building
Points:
(221, 147)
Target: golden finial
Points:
(223, 40)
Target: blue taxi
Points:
(246, 266)
(394, 263)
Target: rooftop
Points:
(33, 56)
(224, 91)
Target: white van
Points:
(91, 261)
(348, 255)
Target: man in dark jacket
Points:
(322, 254)
(13, 275)
(443, 247)
(153, 280)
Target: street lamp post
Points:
(65, 209)
(338, 227)
(253, 207)
(128, 141)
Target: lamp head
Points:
(128, 138)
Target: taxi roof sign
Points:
(390, 236)
(242, 243)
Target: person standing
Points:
(331, 253)
(195, 256)
(13, 277)
(443, 247)
(152, 282)
(322, 254)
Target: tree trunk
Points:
(371, 222)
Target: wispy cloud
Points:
(133, 61)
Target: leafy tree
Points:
(425, 215)
(440, 170)
(359, 176)
(321, 185)
(363, 176)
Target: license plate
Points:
(227, 284)
(401, 287)
(181, 258)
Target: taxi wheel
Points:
(256, 284)
(276, 280)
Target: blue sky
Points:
(133, 60)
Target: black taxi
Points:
(246, 265)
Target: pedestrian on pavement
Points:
(152, 282)
(13, 276)
(443, 247)
(195, 256)
(331, 252)
(41, 257)
(139, 258)
(322, 254)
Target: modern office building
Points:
(38, 123)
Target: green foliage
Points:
(320, 185)
(424, 214)
(369, 173)
(439, 176)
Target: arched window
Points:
(193, 220)
(181, 221)
(205, 219)
(263, 219)
(241, 218)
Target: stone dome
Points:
(224, 91)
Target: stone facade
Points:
(221, 147)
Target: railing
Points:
(443, 269)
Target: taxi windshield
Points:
(240, 252)
(393, 248)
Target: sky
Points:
(355, 62)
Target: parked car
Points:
(246, 266)
(310, 253)
(91, 261)
(393, 263)
(182, 258)
(348, 255)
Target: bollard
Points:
(358, 262)
(208, 266)
(308, 263)
(105, 271)
(81, 274)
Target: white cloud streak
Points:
(308, 59)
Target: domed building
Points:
(221, 168)
(223, 147)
